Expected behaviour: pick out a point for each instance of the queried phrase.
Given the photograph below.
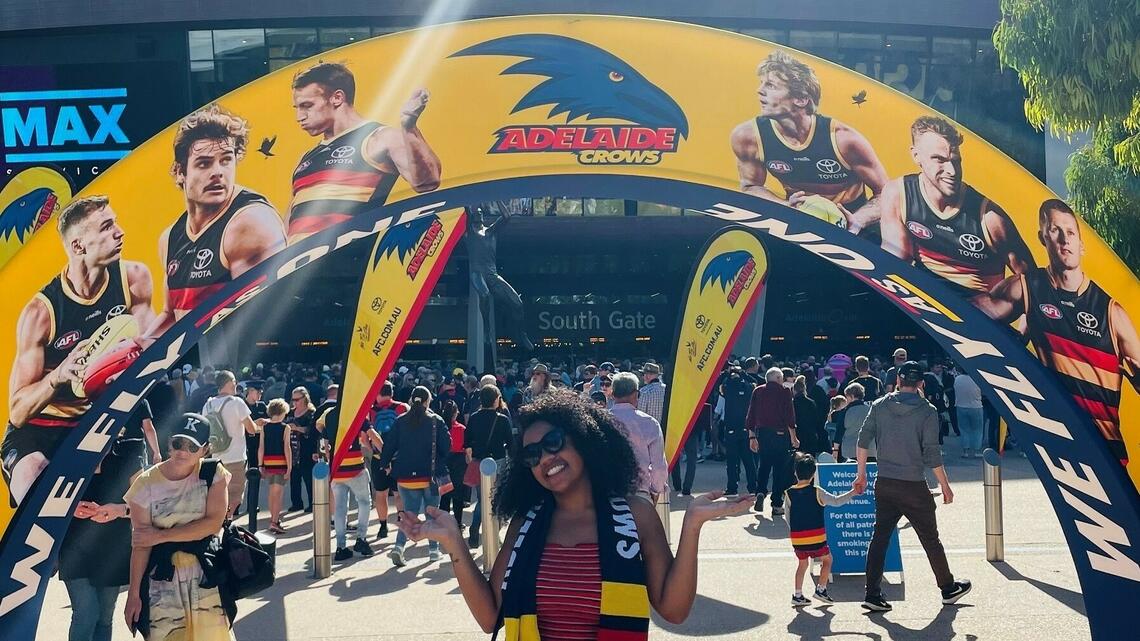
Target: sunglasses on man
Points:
(552, 442)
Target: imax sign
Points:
(63, 125)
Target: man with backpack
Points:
(230, 421)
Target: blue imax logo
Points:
(49, 126)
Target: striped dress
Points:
(569, 592)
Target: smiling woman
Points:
(586, 559)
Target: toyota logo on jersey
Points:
(1087, 320)
(117, 310)
(828, 166)
(971, 242)
(343, 152)
(1050, 311)
(919, 230)
(203, 258)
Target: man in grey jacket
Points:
(904, 427)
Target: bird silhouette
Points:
(267, 146)
(583, 80)
(859, 98)
(723, 269)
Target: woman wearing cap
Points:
(419, 442)
(572, 531)
(176, 509)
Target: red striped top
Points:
(569, 592)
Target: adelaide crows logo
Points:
(585, 81)
(734, 272)
(412, 243)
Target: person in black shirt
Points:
(102, 531)
(737, 393)
(305, 441)
(140, 428)
(872, 387)
(488, 434)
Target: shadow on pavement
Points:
(711, 617)
(767, 527)
(941, 628)
(1066, 597)
(814, 624)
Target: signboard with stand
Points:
(850, 527)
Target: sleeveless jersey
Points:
(805, 519)
(815, 167)
(74, 319)
(335, 180)
(274, 460)
(1071, 334)
(958, 249)
(196, 267)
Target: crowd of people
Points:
(579, 445)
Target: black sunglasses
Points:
(552, 442)
(183, 443)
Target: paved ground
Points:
(746, 571)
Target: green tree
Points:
(1079, 61)
(1107, 194)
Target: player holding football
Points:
(808, 153)
(53, 333)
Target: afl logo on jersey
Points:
(970, 242)
(1050, 311)
(779, 167)
(67, 340)
(203, 258)
(343, 152)
(117, 310)
(1087, 320)
(171, 267)
(919, 230)
(828, 166)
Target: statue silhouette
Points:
(482, 222)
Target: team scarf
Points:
(625, 601)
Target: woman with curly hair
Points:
(582, 559)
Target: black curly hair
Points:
(600, 439)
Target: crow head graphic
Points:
(19, 217)
(724, 269)
(402, 239)
(583, 80)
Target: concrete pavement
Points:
(746, 574)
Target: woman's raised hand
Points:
(710, 506)
(439, 526)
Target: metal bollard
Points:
(995, 538)
(488, 472)
(252, 495)
(663, 513)
(322, 539)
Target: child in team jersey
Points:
(276, 460)
(805, 502)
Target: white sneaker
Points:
(434, 556)
(397, 556)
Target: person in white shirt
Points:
(644, 435)
(971, 421)
(236, 419)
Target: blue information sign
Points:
(849, 527)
